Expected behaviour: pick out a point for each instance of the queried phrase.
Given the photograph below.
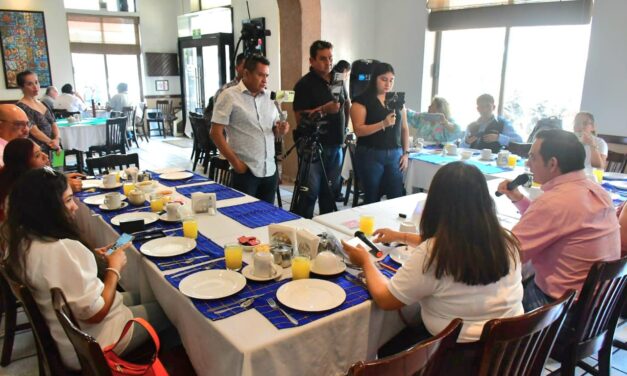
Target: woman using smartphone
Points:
(382, 138)
(436, 125)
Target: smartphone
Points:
(427, 116)
(125, 238)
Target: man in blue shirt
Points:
(489, 131)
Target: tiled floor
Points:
(156, 154)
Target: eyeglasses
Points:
(18, 123)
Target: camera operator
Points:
(250, 119)
(382, 137)
(314, 93)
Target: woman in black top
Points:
(382, 138)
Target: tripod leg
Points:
(327, 183)
(300, 185)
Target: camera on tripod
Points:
(394, 101)
(310, 126)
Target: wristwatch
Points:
(406, 152)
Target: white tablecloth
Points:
(81, 137)
(247, 343)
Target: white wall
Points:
(270, 10)
(58, 45)
(605, 85)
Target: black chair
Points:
(9, 306)
(116, 138)
(90, 355)
(220, 171)
(352, 183)
(163, 117)
(112, 161)
(616, 161)
(593, 319)
(520, 149)
(425, 358)
(115, 114)
(551, 122)
(63, 114)
(48, 356)
(129, 113)
(140, 125)
(203, 146)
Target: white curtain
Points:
(438, 5)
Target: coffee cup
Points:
(486, 154)
(262, 264)
(113, 200)
(136, 197)
(172, 210)
(326, 262)
(408, 226)
(451, 149)
(108, 180)
(466, 154)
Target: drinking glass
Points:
(233, 256)
(156, 203)
(300, 267)
(511, 160)
(598, 174)
(128, 187)
(366, 224)
(190, 228)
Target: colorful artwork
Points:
(24, 46)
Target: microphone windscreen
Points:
(273, 95)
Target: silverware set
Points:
(242, 303)
(205, 266)
(186, 261)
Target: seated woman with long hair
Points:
(44, 250)
(20, 155)
(465, 264)
(442, 130)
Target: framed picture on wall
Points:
(162, 85)
(24, 46)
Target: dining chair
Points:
(63, 114)
(131, 133)
(204, 146)
(616, 162)
(48, 355)
(521, 345)
(423, 359)
(115, 138)
(8, 306)
(519, 148)
(592, 322)
(352, 183)
(140, 125)
(112, 161)
(166, 117)
(220, 171)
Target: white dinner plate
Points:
(168, 246)
(618, 184)
(92, 183)
(180, 175)
(212, 284)
(98, 199)
(164, 217)
(103, 207)
(311, 295)
(401, 254)
(168, 170)
(340, 268)
(114, 186)
(148, 217)
(614, 176)
(248, 273)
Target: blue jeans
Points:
(533, 297)
(261, 188)
(332, 159)
(379, 173)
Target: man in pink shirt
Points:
(568, 228)
(13, 124)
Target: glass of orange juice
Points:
(190, 228)
(300, 267)
(156, 202)
(598, 174)
(512, 159)
(233, 256)
(366, 224)
(128, 187)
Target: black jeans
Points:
(261, 188)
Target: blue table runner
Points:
(222, 192)
(441, 160)
(257, 214)
(196, 178)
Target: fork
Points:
(190, 260)
(245, 304)
(273, 305)
(206, 266)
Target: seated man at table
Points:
(489, 131)
(13, 124)
(120, 100)
(51, 95)
(569, 227)
(69, 100)
(250, 119)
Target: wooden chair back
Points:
(616, 161)
(164, 108)
(111, 161)
(425, 358)
(90, 355)
(220, 171)
(520, 345)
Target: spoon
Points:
(245, 304)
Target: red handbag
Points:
(121, 367)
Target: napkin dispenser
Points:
(204, 202)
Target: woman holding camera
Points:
(436, 125)
(465, 264)
(380, 123)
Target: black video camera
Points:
(310, 126)
(394, 101)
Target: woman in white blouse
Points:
(465, 264)
(45, 251)
(596, 148)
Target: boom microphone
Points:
(520, 180)
(373, 248)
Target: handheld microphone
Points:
(373, 248)
(520, 180)
(277, 105)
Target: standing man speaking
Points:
(250, 119)
(313, 94)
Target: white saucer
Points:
(164, 217)
(311, 295)
(248, 273)
(180, 175)
(103, 207)
(92, 183)
(168, 170)
(212, 284)
(148, 217)
(341, 267)
(401, 254)
(98, 199)
(114, 186)
(168, 246)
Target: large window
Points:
(535, 71)
(108, 5)
(105, 52)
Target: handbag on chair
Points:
(121, 367)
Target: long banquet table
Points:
(247, 343)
